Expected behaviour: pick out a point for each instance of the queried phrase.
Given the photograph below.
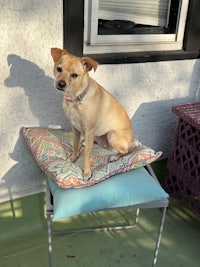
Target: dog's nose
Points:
(61, 85)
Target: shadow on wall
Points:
(158, 118)
(45, 104)
(38, 87)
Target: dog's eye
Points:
(74, 75)
(59, 69)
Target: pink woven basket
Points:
(182, 178)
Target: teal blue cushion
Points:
(124, 189)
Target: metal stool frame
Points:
(162, 204)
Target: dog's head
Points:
(71, 72)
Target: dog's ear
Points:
(89, 63)
(56, 53)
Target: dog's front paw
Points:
(86, 175)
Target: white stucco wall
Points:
(27, 98)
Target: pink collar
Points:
(78, 98)
(70, 99)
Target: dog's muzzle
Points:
(61, 85)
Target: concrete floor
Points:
(23, 239)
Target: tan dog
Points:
(92, 110)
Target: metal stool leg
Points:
(49, 240)
(159, 236)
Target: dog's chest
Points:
(74, 115)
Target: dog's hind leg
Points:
(120, 143)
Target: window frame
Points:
(73, 23)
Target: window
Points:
(115, 31)
(146, 27)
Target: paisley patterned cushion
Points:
(52, 147)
